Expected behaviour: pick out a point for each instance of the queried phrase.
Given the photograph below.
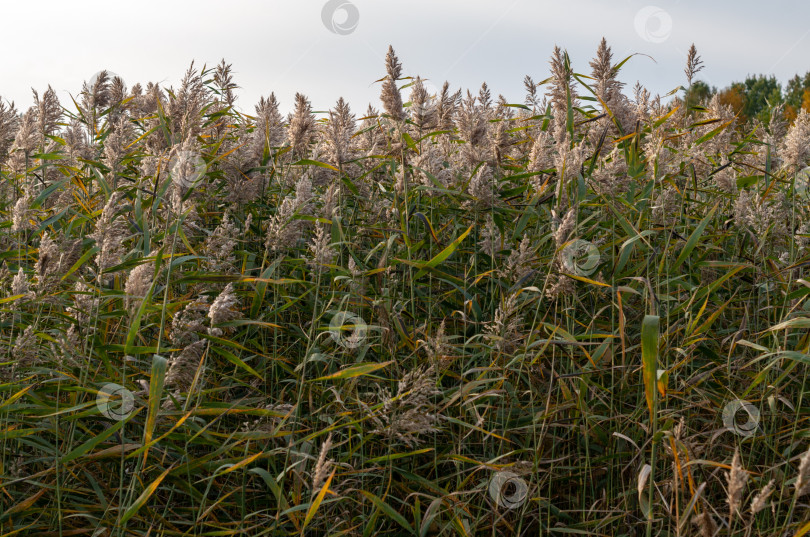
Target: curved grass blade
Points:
(355, 371)
(145, 495)
(439, 258)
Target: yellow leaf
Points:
(586, 280)
(145, 495)
(318, 500)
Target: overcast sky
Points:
(337, 48)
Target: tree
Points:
(698, 93)
(761, 94)
(794, 91)
(735, 97)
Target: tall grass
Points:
(355, 326)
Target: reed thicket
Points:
(354, 324)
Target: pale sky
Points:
(287, 46)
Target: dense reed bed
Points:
(582, 314)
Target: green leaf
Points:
(743, 182)
(709, 135)
(348, 182)
(388, 510)
(694, 238)
(276, 490)
(48, 156)
(355, 371)
(261, 288)
(16, 396)
(687, 511)
(409, 141)
(82, 260)
(47, 192)
(156, 380)
(235, 360)
(425, 220)
(394, 456)
(444, 254)
(96, 440)
(306, 162)
(145, 495)
(649, 359)
(796, 322)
